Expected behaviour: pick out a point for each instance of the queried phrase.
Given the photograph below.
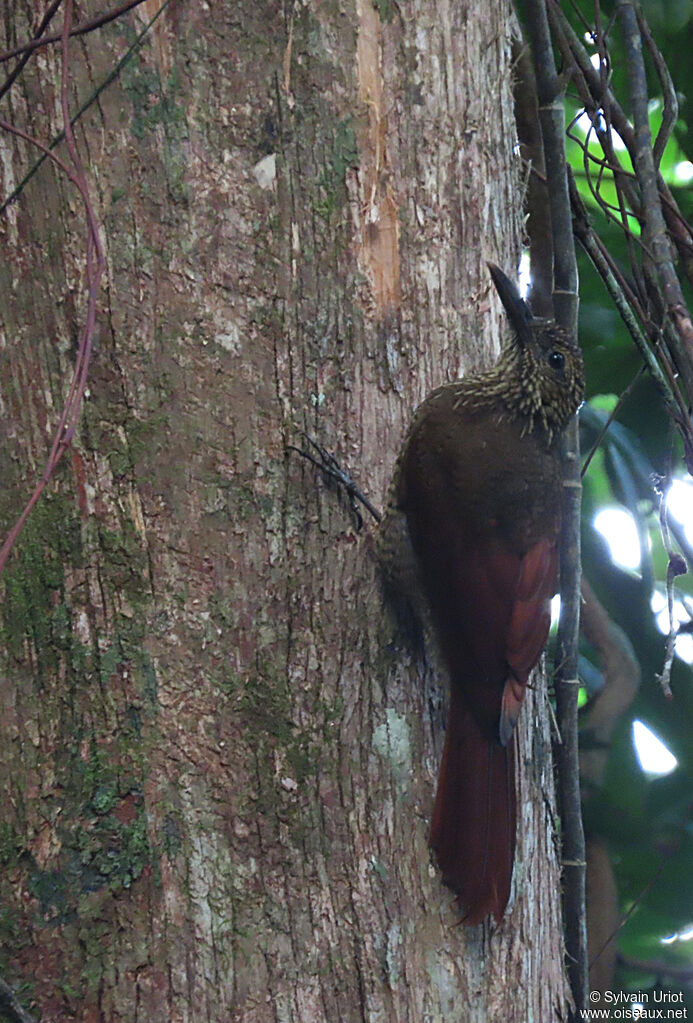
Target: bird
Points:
(476, 498)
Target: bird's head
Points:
(544, 359)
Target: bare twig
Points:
(574, 54)
(633, 316)
(17, 70)
(670, 111)
(609, 162)
(110, 77)
(655, 230)
(610, 418)
(94, 269)
(78, 30)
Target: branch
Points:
(552, 119)
(670, 112)
(37, 42)
(15, 73)
(110, 77)
(655, 230)
(595, 94)
(632, 315)
(536, 195)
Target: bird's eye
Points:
(556, 360)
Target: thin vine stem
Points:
(94, 266)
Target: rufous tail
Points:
(473, 827)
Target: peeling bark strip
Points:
(217, 746)
(379, 215)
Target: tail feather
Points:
(473, 827)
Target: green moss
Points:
(385, 9)
(34, 608)
(10, 846)
(146, 673)
(96, 780)
(265, 703)
(301, 757)
(71, 991)
(155, 105)
(105, 797)
(124, 564)
(154, 102)
(24, 992)
(50, 889)
(227, 683)
(104, 840)
(344, 155)
(221, 609)
(120, 463)
(12, 931)
(113, 853)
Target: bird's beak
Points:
(518, 312)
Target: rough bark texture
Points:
(217, 746)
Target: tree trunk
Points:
(218, 746)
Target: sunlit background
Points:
(618, 528)
(622, 468)
(620, 531)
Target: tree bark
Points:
(218, 746)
